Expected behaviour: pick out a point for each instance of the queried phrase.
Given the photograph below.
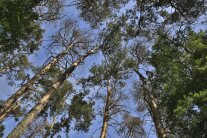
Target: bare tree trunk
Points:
(154, 109)
(21, 127)
(106, 112)
(2, 70)
(131, 134)
(12, 101)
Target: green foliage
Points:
(14, 67)
(132, 126)
(82, 111)
(79, 109)
(20, 36)
(97, 11)
(114, 66)
(109, 78)
(180, 63)
(1, 130)
(2, 127)
(18, 25)
(58, 101)
(53, 10)
(181, 73)
(57, 104)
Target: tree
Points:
(50, 10)
(168, 56)
(59, 113)
(18, 25)
(20, 36)
(98, 11)
(19, 130)
(75, 53)
(21, 33)
(153, 106)
(36, 128)
(147, 19)
(110, 77)
(74, 38)
(180, 69)
(132, 127)
(145, 89)
(82, 117)
(144, 17)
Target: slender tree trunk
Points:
(31, 135)
(62, 124)
(51, 126)
(106, 112)
(21, 127)
(12, 101)
(154, 109)
(131, 134)
(155, 113)
(2, 70)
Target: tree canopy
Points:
(103, 66)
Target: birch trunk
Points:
(154, 109)
(21, 127)
(12, 101)
(106, 112)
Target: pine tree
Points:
(180, 69)
(10, 103)
(19, 130)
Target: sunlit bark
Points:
(106, 112)
(21, 127)
(153, 107)
(11, 102)
(2, 70)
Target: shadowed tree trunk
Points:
(21, 127)
(153, 106)
(10, 103)
(106, 112)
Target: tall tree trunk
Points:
(154, 108)
(12, 101)
(155, 113)
(21, 127)
(106, 112)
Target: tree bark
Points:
(2, 70)
(153, 105)
(21, 127)
(106, 112)
(12, 101)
